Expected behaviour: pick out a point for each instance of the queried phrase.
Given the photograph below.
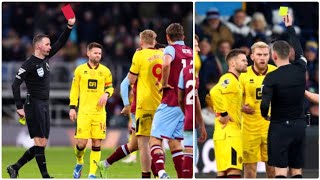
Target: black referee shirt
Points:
(285, 87)
(36, 74)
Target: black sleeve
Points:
(19, 78)
(294, 42)
(267, 92)
(60, 42)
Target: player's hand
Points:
(21, 113)
(71, 21)
(287, 20)
(166, 86)
(72, 115)
(248, 109)
(103, 100)
(203, 134)
(224, 121)
(126, 110)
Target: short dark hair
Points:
(38, 38)
(94, 45)
(234, 53)
(282, 48)
(175, 32)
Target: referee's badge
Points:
(40, 72)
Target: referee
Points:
(35, 72)
(285, 88)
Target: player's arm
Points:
(267, 92)
(246, 108)
(181, 93)
(124, 92)
(108, 89)
(169, 54)
(63, 38)
(74, 95)
(224, 88)
(293, 39)
(313, 97)
(19, 78)
(199, 120)
(135, 68)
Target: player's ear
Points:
(88, 53)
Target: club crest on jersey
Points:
(47, 67)
(40, 72)
(225, 83)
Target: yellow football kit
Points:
(254, 127)
(226, 96)
(147, 65)
(88, 85)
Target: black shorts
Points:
(38, 118)
(286, 144)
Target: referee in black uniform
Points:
(285, 87)
(35, 72)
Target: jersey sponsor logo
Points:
(92, 84)
(20, 71)
(258, 93)
(40, 72)
(251, 81)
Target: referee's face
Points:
(260, 57)
(44, 46)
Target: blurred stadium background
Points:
(239, 25)
(115, 25)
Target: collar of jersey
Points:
(91, 67)
(178, 42)
(258, 74)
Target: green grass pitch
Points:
(61, 161)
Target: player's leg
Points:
(251, 153)
(187, 165)
(163, 126)
(95, 155)
(98, 132)
(82, 134)
(175, 143)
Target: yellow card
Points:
(22, 121)
(283, 11)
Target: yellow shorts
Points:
(255, 147)
(228, 148)
(144, 121)
(91, 127)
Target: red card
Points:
(67, 12)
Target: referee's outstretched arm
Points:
(293, 39)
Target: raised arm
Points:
(293, 39)
(63, 38)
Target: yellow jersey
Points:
(147, 65)
(197, 63)
(88, 85)
(251, 82)
(226, 96)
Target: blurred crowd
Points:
(114, 25)
(257, 22)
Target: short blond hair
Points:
(259, 44)
(148, 36)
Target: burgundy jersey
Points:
(188, 85)
(133, 104)
(183, 57)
